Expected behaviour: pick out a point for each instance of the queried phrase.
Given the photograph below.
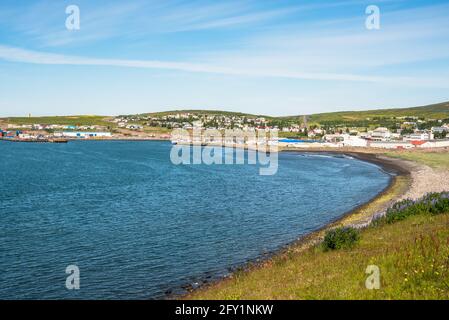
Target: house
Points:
(333, 138)
(197, 124)
(391, 144)
(440, 129)
(134, 127)
(419, 136)
(354, 141)
(435, 144)
(380, 134)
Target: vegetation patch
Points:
(432, 159)
(340, 238)
(61, 120)
(431, 203)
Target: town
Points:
(388, 132)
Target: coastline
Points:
(401, 182)
(403, 173)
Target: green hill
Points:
(434, 111)
(206, 112)
(82, 120)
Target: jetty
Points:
(34, 140)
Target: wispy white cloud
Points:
(407, 37)
(102, 21)
(35, 57)
(43, 21)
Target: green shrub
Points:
(344, 237)
(431, 203)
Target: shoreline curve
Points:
(360, 216)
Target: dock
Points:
(55, 140)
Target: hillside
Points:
(206, 112)
(82, 120)
(434, 111)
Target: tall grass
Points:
(431, 203)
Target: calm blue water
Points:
(139, 227)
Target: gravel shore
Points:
(426, 179)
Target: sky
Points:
(273, 57)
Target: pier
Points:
(45, 140)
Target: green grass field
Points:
(432, 159)
(413, 257)
(435, 111)
(62, 120)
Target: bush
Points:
(431, 203)
(344, 237)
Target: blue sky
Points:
(273, 57)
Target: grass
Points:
(432, 159)
(157, 130)
(434, 111)
(62, 120)
(413, 257)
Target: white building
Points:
(381, 134)
(435, 144)
(419, 136)
(134, 127)
(333, 137)
(391, 144)
(197, 124)
(440, 129)
(84, 135)
(353, 141)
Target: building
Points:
(197, 124)
(419, 136)
(333, 138)
(439, 129)
(380, 134)
(354, 141)
(84, 135)
(391, 144)
(134, 127)
(435, 144)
